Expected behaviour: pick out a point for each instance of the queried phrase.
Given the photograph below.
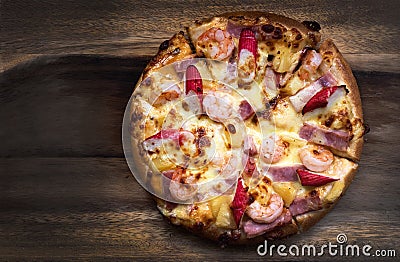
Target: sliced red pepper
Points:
(248, 41)
(312, 179)
(165, 134)
(194, 81)
(155, 141)
(239, 202)
(194, 86)
(320, 99)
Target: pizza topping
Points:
(310, 64)
(215, 43)
(193, 81)
(336, 139)
(235, 29)
(249, 146)
(308, 178)
(154, 142)
(245, 110)
(266, 208)
(180, 67)
(247, 56)
(273, 149)
(287, 190)
(181, 138)
(194, 90)
(250, 166)
(170, 93)
(316, 158)
(253, 229)
(284, 173)
(320, 99)
(304, 204)
(300, 99)
(305, 102)
(271, 82)
(180, 190)
(218, 106)
(239, 202)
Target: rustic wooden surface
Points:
(68, 69)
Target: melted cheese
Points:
(224, 145)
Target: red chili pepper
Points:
(320, 99)
(239, 202)
(311, 179)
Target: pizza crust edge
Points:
(305, 221)
(342, 68)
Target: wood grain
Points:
(67, 193)
(67, 71)
(126, 27)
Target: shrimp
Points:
(168, 94)
(267, 206)
(216, 43)
(179, 190)
(273, 149)
(218, 106)
(316, 158)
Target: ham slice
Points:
(234, 29)
(300, 99)
(301, 205)
(336, 139)
(271, 82)
(249, 147)
(284, 173)
(245, 110)
(253, 229)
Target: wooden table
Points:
(67, 71)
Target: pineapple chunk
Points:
(287, 190)
(293, 85)
(217, 202)
(225, 217)
(335, 192)
(162, 162)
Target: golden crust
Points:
(255, 18)
(174, 49)
(341, 68)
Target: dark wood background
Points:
(67, 71)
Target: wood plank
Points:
(66, 106)
(67, 69)
(122, 27)
(73, 105)
(87, 208)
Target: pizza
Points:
(246, 127)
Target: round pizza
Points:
(246, 127)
